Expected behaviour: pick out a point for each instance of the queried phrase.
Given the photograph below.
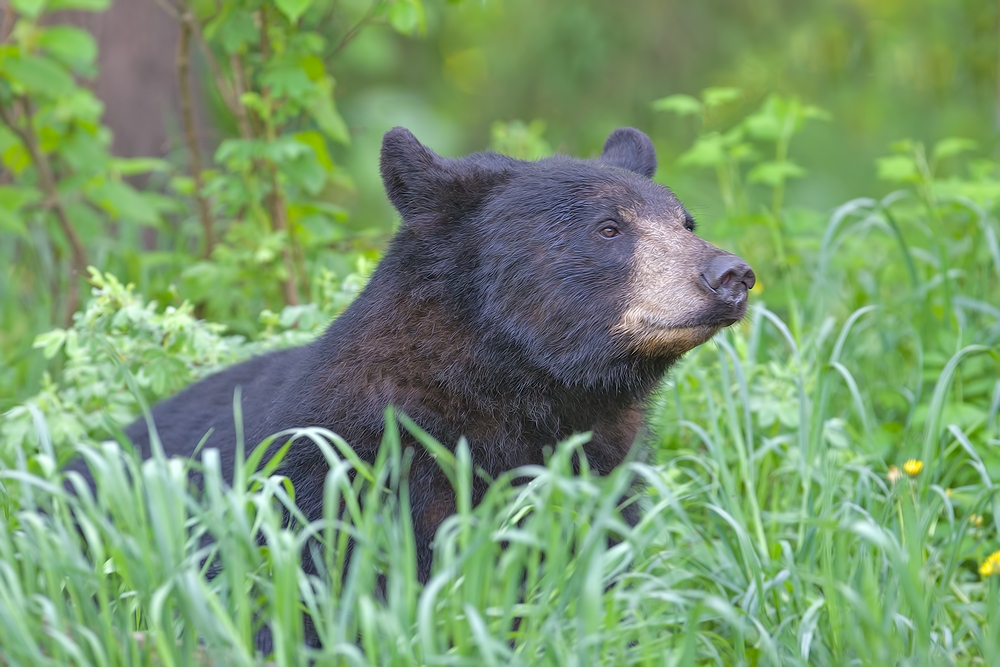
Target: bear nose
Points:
(729, 276)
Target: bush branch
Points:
(186, 19)
(46, 179)
(276, 198)
(240, 87)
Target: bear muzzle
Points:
(729, 279)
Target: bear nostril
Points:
(724, 271)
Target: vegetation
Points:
(820, 487)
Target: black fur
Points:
(630, 149)
(490, 317)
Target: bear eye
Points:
(609, 231)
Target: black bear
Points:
(519, 303)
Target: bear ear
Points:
(630, 149)
(409, 171)
(427, 189)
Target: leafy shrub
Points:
(264, 219)
(824, 490)
(119, 344)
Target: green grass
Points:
(777, 527)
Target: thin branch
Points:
(276, 198)
(355, 30)
(187, 118)
(172, 10)
(226, 92)
(8, 21)
(265, 39)
(276, 202)
(176, 12)
(78, 262)
(240, 87)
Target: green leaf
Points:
(183, 185)
(324, 112)
(12, 200)
(233, 30)
(50, 342)
(898, 168)
(714, 97)
(315, 141)
(38, 75)
(284, 149)
(84, 152)
(11, 222)
(163, 204)
(682, 105)
(309, 43)
(255, 102)
(764, 125)
(286, 78)
(982, 168)
(73, 46)
(982, 191)
(708, 151)
(238, 153)
(16, 158)
(122, 202)
(775, 172)
(952, 146)
(87, 222)
(80, 105)
(521, 140)
(201, 278)
(7, 138)
(815, 113)
(293, 9)
(743, 152)
(139, 165)
(29, 8)
(305, 171)
(313, 66)
(407, 16)
(904, 146)
(83, 5)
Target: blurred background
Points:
(525, 76)
(883, 69)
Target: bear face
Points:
(586, 267)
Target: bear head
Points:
(584, 269)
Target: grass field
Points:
(819, 491)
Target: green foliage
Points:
(763, 541)
(119, 344)
(727, 151)
(263, 220)
(780, 523)
(519, 139)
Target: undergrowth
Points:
(820, 492)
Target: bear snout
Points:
(729, 278)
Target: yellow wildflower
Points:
(976, 520)
(991, 565)
(913, 467)
(893, 475)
